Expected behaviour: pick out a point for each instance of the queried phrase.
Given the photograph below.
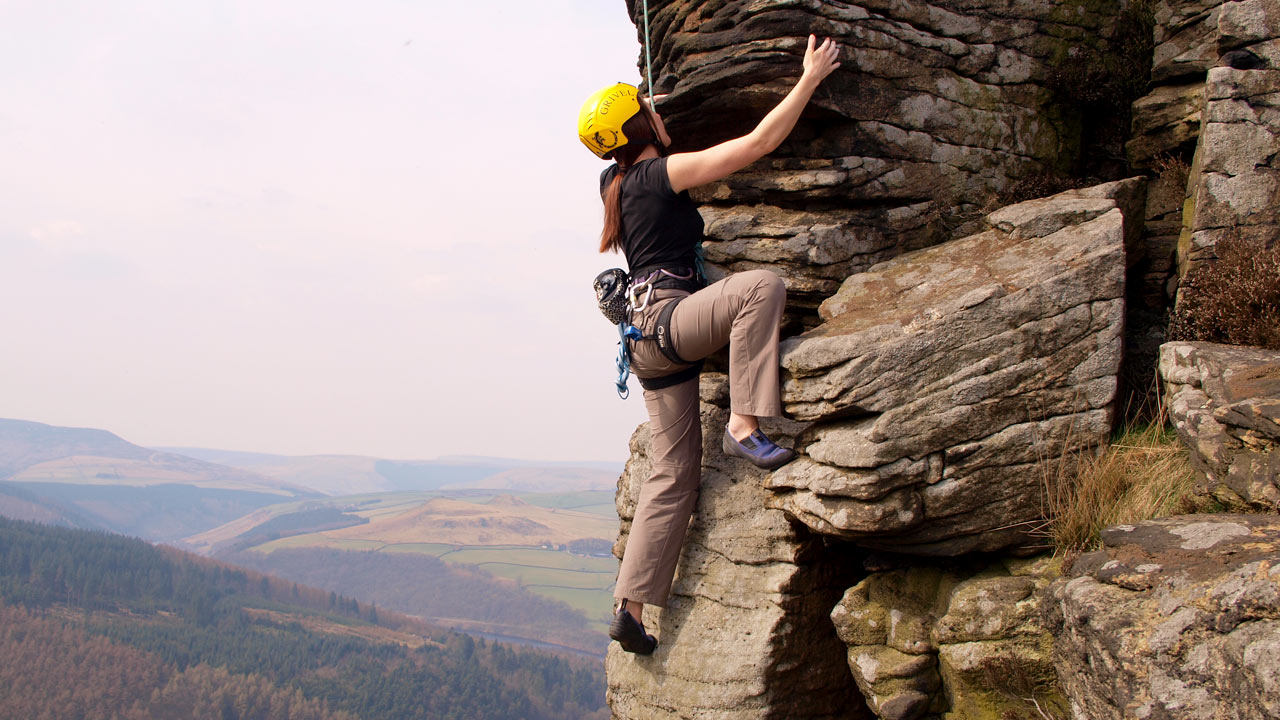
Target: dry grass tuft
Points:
(1145, 473)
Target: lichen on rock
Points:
(1174, 618)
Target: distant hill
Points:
(35, 452)
(468, 560)
(88, 478)
(23, 444)
(149, 632)
(357, 474)
(462, 597)
(504, 520)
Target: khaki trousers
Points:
(743, 310)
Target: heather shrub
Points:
(1235, 299)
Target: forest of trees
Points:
(154, 632)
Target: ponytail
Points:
(611, 237)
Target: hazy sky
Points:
(309, 227)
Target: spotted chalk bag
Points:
(611, 294)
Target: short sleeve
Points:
(653, 174)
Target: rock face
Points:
(1167, 120)
(1211, 114)
(1215, 76)
(1174, 618)
(938, 109)
(1235, 179)
(961, 642)
(1225, 403)
(942, 377)
(746, 632)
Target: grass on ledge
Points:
(1145, 473)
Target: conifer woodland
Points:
(95, 625)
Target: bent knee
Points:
(767, 284)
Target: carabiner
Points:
(648, 294)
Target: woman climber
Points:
(651, 219)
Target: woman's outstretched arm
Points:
(688, 170)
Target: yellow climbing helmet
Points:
(602, 115)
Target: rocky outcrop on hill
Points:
(1225, 403)
(942, 377)
(1215, 81)
(941, 346)
(1234, 188)
(1174, 618)
(937, 111)
(982, 352)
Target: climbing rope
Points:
(698, 251)
(648, 59)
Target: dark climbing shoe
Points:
(630, 634)
(760, 450)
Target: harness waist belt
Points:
(685, 278)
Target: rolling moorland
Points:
(488, 563)
(483, 545)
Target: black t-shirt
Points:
(659, 225)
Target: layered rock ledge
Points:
(1224, 402)
(942, 377)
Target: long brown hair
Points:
(639, 129)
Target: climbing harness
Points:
(620, 298)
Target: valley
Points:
(507, 548)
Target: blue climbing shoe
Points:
(758, 449)
(630, 633)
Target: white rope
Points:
(648, 60)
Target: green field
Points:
(296, 541)
(596, 502)
(585, 583)
(435, 549)
(531, 556)
(596, 605)
(535, 577)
